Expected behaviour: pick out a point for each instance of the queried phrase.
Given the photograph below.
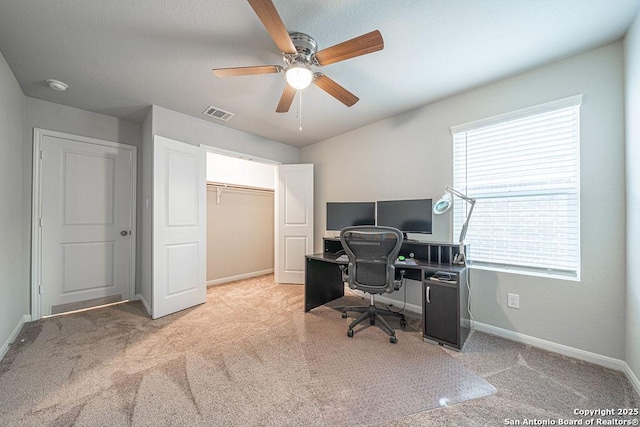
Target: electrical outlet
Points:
(513, 300)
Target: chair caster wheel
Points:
(344, 315)
(350, 333)
(393, 340)
(372, 321)
(403, 323)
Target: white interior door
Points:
(87, 216)
(179, 226)
(294, 221)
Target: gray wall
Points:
(191, 130)
(51, 116)
(410, 155)
(632, 88)
(13, 264)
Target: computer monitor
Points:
(408, 216)
(346, 214)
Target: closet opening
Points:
(240, 217)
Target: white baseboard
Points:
(633, 379)
(398, 304)
(239, 277)
(145, 304)
(587, 356)
(5, 347)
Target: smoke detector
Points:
(57, 85)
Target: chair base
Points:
(372, 313)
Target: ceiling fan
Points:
(300, 53)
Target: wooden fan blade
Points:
(366, 43)
(286, 99)
(268, 14)
(335, 90)
(247, 71)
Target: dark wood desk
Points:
(323, 278)
(444, 303)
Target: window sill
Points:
(556, 275)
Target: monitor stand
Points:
(407, 239)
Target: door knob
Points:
(124, 232)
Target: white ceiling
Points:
(120, 56)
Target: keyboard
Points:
(408, 261)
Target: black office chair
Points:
(372, 252)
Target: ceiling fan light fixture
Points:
(299, 75)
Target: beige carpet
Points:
(234, 361)
(241, 360)
(365, 379)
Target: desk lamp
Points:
(443, 205)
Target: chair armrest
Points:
(345, 276)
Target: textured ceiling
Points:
(120, 56)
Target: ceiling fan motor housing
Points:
(306, 48)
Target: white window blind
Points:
(523, 170)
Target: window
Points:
(523, 170)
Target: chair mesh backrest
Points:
(372, 252)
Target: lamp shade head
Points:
(299, 75)
(442, 205)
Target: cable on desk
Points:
(472, 321)
(353, 293)
(404, 305)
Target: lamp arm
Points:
(459, 194)
(460, 257)
(465, 226)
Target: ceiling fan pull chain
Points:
(300, 109)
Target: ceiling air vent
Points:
(217, 113)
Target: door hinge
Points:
(40, 221)
(39, 289)
(41, 155)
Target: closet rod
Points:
(219, 186)
(238, 187)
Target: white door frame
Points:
(36, 210)
(239, 155)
